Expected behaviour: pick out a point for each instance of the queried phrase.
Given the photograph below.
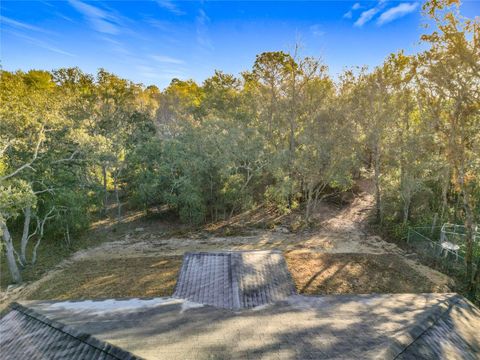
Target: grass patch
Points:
(50, 254)
(114, 278)
(53, 251)
(320, 274)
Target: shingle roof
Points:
(26, 334)
(388, 326)
(300, 327)
(454, 334)
(234, 280)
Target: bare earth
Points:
(339, 257)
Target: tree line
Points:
(283, 133)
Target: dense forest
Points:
(284, 134)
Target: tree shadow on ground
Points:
(320, 274)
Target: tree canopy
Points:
(283, 133)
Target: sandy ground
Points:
(339, 231)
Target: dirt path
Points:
(340, 231)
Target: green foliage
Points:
(283, 133)
(14, 197)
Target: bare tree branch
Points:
(6, 146)
(41, 226)
(49, 190)
(70, 158)
(34, 157)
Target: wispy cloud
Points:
(170, 6)
(151, 73)
(117, 46)
(168, 31)
(101, 20)
(161, 25)
(396, 12)
(21, 25)
(203, 39)
(41, 44)
(317, 30)
(62, 16)
(349, 13)
(366, 16)
(167, 59)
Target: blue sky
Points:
(154, 41)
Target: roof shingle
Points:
(26, 334)
(234, 279)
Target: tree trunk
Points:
(12, 264)
(315, 202)
(26, 228)
(378, 199)
(475, 284)
(434, 223)
(406, 209)
(445, 186)
(309, 204)
(270, 110)
(469, 226)
(117, 197)
(34, 253)
(105, 192)
(469, 238)
(67, 235)
(293, 127)
(242, 189)
(41, 229)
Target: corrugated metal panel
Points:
(234, 280)
(25, 334)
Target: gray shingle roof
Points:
(26, 334)
(388, 326)
(234, 280)
(454, 334)
(300, 327)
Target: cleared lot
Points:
(313, 273)
(116, 278)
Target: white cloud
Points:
(151, 73)
(396, 12)
(167, 59)
(170, 6)
(117, 46)
(20, 25)
(349, 13)
(203, 39)
(366, 16)
(101, 20)
(42, 44)
(317, 30)
(60, 15)
(161, 25)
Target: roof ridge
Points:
(229, 252)
(449, 308)
(83, 337)
(407, 338)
